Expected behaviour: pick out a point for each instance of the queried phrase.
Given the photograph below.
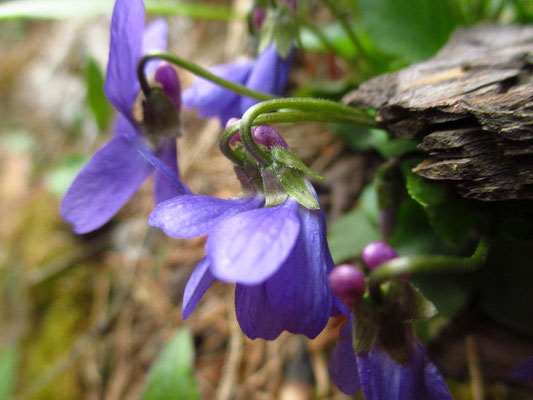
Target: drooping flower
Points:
(267, 74)
(374, 370)
(119, 168)
(278, 257)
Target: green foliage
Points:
(449, 216)
(58, 9)
(289, 159)
(411, 29)
(59, 177)
(354, 230)
(295, 185)
(8, 369)
(95, 97)
(364, 139)
(171, 377)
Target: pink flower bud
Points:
(376, 253)
(168, 78)
(269, 137)
(258, 17)
(348, 283)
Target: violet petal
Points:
(197, 285)
(256, 318)
(212, 100)
(110, 178)
(299, 291)
(195, 215)
(250, 247)
(164, 189)
(269, 75)
(383, 378)
(342, 364)
(154, 40)
(127, 26)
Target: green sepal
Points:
(272, 188)
(406, 302)
(365, 326)
(294, 184)
(160, 117)
(393, 338)
(290, 159)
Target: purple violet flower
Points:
(278, 257)
(267, 74)
(380, 376)
(119, 168)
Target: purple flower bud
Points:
(168, 78)
(269, 137)
(348, 283)
(258, 17)
(376, 253)
(237, 137)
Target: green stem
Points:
(426, 264)
(296, 103)
(279, 118)
(347, 28)
(197, 70)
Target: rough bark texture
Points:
(472, 108)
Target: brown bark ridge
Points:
(471, 106)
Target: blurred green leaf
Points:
(57, 9)
(448, 215)
(59, 178)
(412, 29)
(171, 377)
(363, 139)
(17, 142)
(349, 234)
(95, 96)
(8, 371)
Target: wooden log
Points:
(471, 108)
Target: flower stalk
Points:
(197, 70)
(426, 264)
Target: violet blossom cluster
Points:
(276, 255)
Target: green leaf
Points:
(58, 9)
(95, 96)
(412, 29)
(290, 159)
(295, 185)
(59, 178)
(171, 377)
(8, 370)
(350, 234)
(364, 139)
(448, 215)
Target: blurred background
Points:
(86, 316)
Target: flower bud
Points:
(262, 134)
(258, 17)
(269, 137)
(376, 253)
(168, 78)
(348, 283)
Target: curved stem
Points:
(279, 118)
(426, 264)
(302, 104)
(346, 27)
(197, 70)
